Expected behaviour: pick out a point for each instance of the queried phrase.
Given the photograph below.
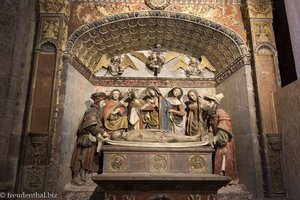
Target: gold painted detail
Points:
(118, 163)
(262, 32)
(55, 6)
(157, 4)
(51, 28)
(186, 34)
(197, 164)
(260, 9)
(158, 163)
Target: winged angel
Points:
(115, 65)
(194, 66)
(155, 60)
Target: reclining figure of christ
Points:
(153, 135)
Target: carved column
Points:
(40, 164)
(267, 79)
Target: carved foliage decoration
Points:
(55, 6)
(260, 9)
(262, 32)
(275, 173)
(9, 5)
(50, 28)
(33, 181)
(36, 149)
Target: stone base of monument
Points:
(166, 171)
(143, 186)
(92, 192)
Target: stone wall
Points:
(287, 103)
(239, 103)
(293, 15)
(17, 24)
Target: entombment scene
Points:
(149, 100)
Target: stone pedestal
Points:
(164, 172)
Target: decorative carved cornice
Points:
(240, 62)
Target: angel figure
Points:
(194, 66)
(115, 65)
(155, 60)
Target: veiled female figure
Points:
(176, 111)
(134, 110)
(155, 110)
(115, 116)
(195, 125)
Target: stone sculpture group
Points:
(153, 118)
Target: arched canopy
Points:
(179, 32)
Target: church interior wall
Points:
(294, 23)
(239, 102)
(287, 103)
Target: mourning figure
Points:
(176, 111)
(195, 124)
(115, 113)
(222, 139)
(155, 111)
(134, 110)
(91, 134)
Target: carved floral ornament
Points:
(262, 32)
(139, 31)
(260, 9)
(50, 28)
(55, 6)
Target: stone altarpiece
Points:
(74, 35)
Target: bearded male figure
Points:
(85, 158)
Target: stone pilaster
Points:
(17, 20)
(40, 165)
(265, 66)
